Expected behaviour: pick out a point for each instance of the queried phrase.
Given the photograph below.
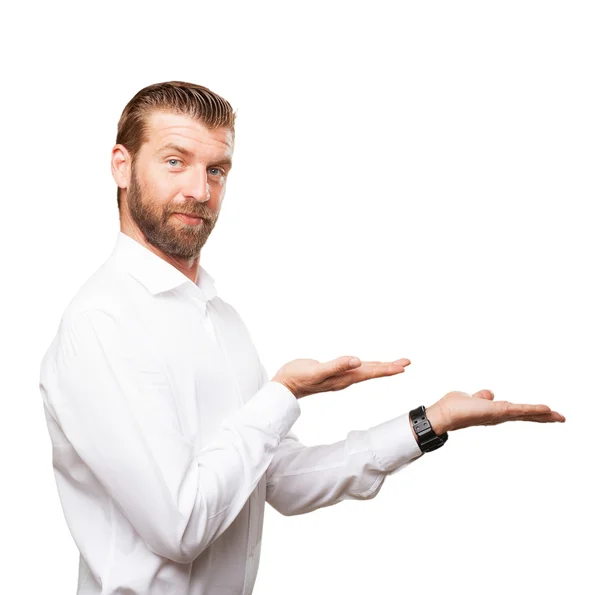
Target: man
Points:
(168, 436)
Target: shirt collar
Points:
(156, 274)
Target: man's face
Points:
(182, 168)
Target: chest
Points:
(210, 363)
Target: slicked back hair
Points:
(176, 97)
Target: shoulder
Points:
(102, 317)
(102, 309)
(107, 293)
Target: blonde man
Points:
(168, 436)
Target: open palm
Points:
(457, 410)
(309, 376)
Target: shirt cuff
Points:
(275, 404)
(394, 443)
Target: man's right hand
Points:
(308, 376)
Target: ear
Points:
(120, 165)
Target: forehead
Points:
(163, 128)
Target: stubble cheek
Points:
(165, 198)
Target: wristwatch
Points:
(427, 439)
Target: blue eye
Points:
(178, 160)
(215, 171)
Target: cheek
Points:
(217, 189)
(219, 186)
(162, 190)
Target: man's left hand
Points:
(458, 410)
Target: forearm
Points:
(301, 479)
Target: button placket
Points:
(205, 317)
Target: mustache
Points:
(193, 211)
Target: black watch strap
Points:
(427, 439)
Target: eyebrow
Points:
(174, 147)
(190, 154)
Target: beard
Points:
(161, 230)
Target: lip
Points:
(189, 219)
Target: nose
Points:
(197, 187)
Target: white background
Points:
(411, 179)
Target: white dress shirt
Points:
(168, 437)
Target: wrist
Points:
(428, 428)
(284, 383)
(436, 420)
